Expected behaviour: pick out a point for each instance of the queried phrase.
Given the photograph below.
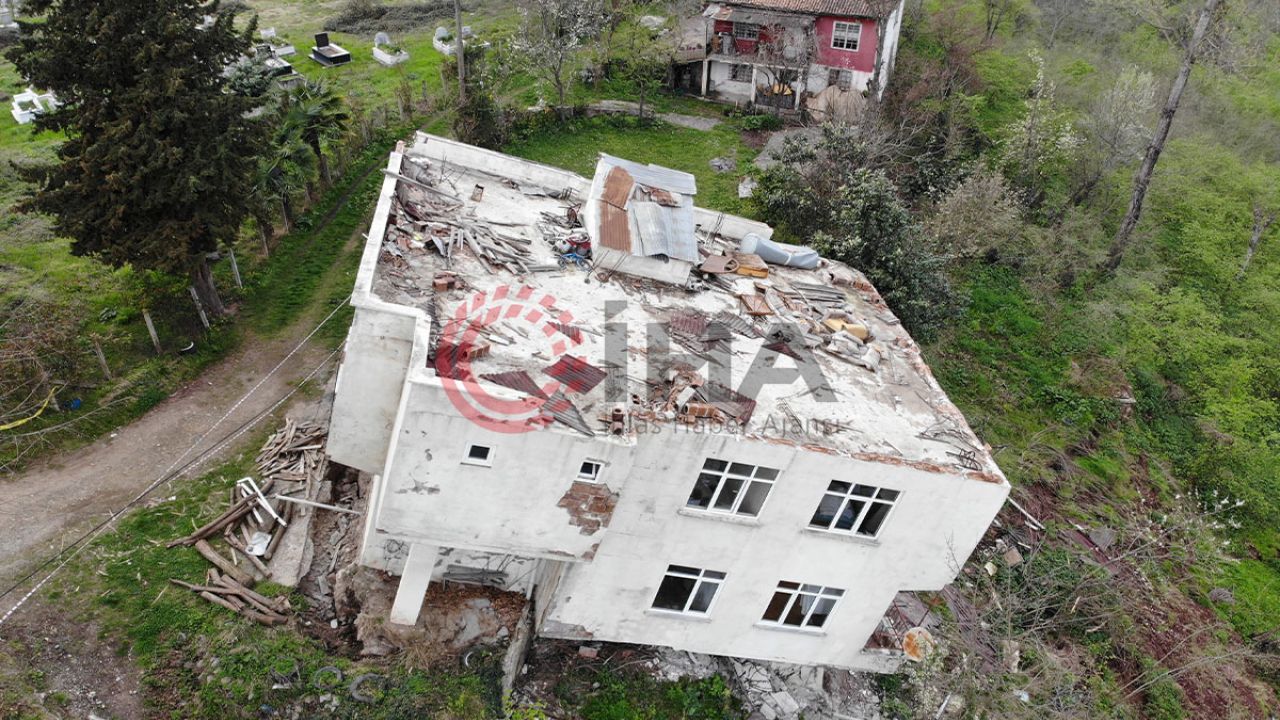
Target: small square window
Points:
(846, 35)
(478, 455)
(688, 590)
(740, 72)
(590, 471)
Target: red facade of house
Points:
(863, 59)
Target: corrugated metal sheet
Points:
(575, 372)
(736, 323)
(615, 228)
(728, 400)
(663, 231)
(516, 380)
(572, 332)
(848, 8)
(562, 410)
(617, 187)
(654, 176)
(689, 321)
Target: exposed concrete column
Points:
(706, 74)
(753, 84)
(413, 583)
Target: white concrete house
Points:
(751, 461)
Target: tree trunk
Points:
(202, 281)
(459, 52)
(1142, 180)
(323, 161)
(265, 231)
(1261, 222)
(286, 212)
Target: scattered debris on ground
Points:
(291, 462)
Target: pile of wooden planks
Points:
(253, 525)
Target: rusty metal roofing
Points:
(615, 228)
(736, 323)
(690, 321)
(617, 187)
(516, 380)
(843, 8)
(578, 374)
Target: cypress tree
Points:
(157, 168)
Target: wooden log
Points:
(233, 514)
(279, 534)
(253, 559)
(235, 607)
(206, 550)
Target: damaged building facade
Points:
(654, 422)
(785, 53)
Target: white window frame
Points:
(700, 577)
(746, 31)
(732, 471)
(849, 28)
(797, 592)
(486, 461)
(594, 475)
(878, 496)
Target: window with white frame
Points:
(852, 508)
(735, 488)
(845, 35)
(746, 31)
(589, 471)
(740, 72)
(842, 79)
(688, 590)
(478, 455)
(801, 606)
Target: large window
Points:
(845, 35)
(746, 31)
(801, 606)
(857, 509)
(728, 487)
(688, 590)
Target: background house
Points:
(773, 52)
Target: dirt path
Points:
(52, 503)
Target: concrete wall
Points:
(370, 380)
(937, 523)
(521, 503)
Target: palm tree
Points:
(286, 169)
(318, 116)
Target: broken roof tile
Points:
(578, 374)
(756, 304)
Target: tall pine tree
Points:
(158, 166)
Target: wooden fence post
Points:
(204, 319)
(235, 269)
(102, 358)
(151, 330)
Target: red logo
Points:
(522, 317)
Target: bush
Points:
(762, 122)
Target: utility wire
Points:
(173, 471)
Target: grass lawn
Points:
(576, 145)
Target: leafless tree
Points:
(994, 13)
(1142, 179)
(552, 35)
(1114, 129)
(1262, 221)
(788, 52)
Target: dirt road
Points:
(53, 503)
